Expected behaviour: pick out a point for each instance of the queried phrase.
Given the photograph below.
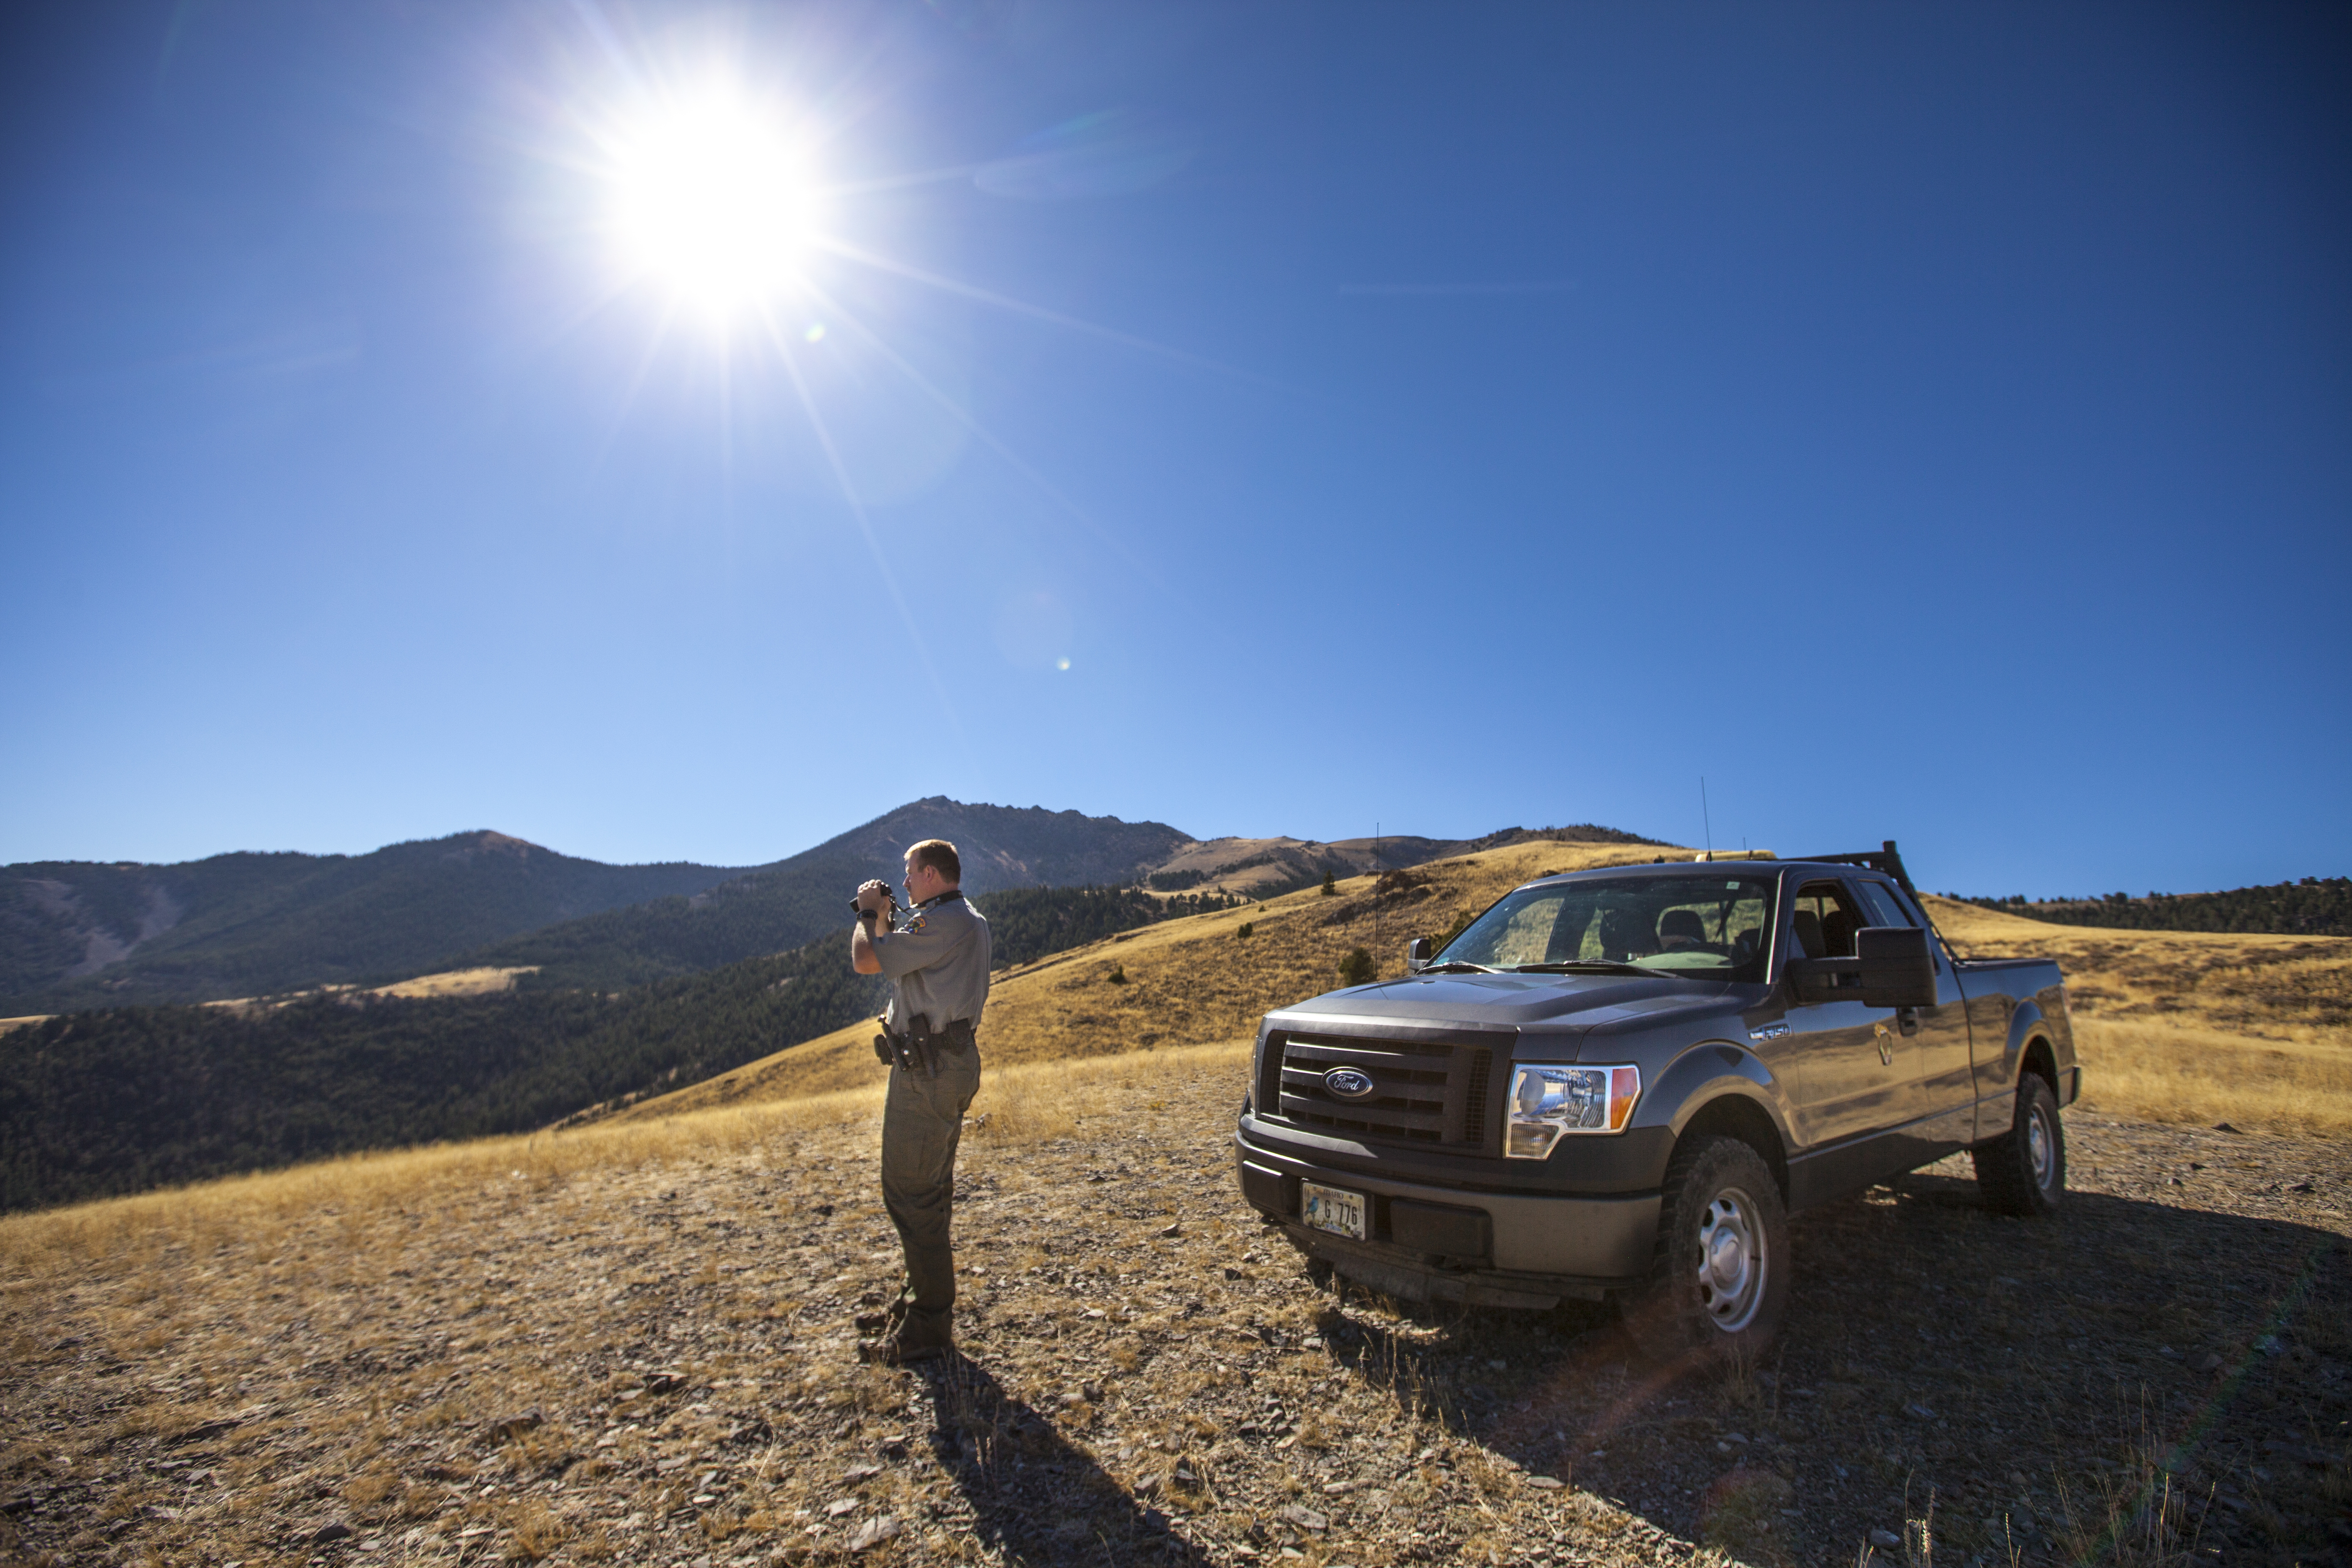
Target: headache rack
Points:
(1437, 1094)
(1884, 859)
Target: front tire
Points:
(2024, 1172)
(1718, 1284)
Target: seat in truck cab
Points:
(1838, 927)
(1808, 934)
(1681, 928)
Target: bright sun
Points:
(713, 202)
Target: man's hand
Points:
(872, 897)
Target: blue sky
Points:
(1918, 422)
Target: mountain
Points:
(792, 901)
(77, 934)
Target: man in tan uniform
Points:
(936, 957)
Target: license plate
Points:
(1329, 1209)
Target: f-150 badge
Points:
(1348, 1083)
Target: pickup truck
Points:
(1617, 1084)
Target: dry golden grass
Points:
(449, 982)
(2194, 1026)
(259, 1206)
(1022, 1103)
(369, 1326)
(1190, 982)
(2254, 1030)
(2155, 1072)
(458, 983)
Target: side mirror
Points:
(1898, 967)
(1416, 955)
(1893, 967)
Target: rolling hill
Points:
(1196, 981)
(79, 934)
(1268, 867)
(790, 902)
(2256, 1029)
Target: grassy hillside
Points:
(792, 901)
(1191, 982)
(2316, 906)
(2179, 1027)
(79, 935)
(1269, 868)
(2256, 1030)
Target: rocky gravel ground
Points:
(653, 1363)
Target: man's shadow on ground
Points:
(1034, 1495)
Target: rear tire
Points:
(1718, 1284)
(2024, 1172)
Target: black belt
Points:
(919, 1048)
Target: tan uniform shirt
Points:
(937, 960)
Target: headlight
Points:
(1547, 1103)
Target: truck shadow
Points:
(1037, 1498)
(2023, 1374)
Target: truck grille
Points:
(1431, 1093)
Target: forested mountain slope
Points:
(790, 902)
(122, 1098)
(2316, 906)
(79, 934)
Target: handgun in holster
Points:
(918, 1049)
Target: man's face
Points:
(922, 880)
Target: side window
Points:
(1825, 921)
(1884, 909)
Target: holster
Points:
(918, 1050)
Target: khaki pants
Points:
(922, 1118)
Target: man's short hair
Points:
(940, 856)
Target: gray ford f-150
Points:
(1619, 1083)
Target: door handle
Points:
(1907, 1020)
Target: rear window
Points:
(1886, 909)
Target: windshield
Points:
(1710, 926)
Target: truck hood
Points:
(1505, 1001)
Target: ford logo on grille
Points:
(1348, 1083)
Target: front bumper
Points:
(1479, 1248)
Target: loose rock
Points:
(874, 1532)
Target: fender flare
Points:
(2024, 1025)
(1711, 1070)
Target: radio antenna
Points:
(1706, 820)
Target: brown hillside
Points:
(2194, 1026)
(1190, 982)
(2172, 1027)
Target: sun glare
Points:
(712, 202)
